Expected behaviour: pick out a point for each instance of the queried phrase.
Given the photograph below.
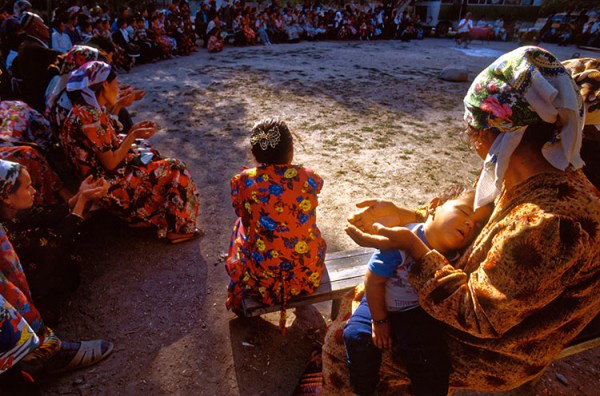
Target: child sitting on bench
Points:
(276, 249)
(389, 317)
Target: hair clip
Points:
(265, 139)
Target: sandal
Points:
(77, 355)
(185, 237)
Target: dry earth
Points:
(370, 117)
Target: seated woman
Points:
(26, 138)
(58, 104)
(528, 284)
(26, 343)
(145, 188)
(44, 237)
(213, 33)
(276, 250)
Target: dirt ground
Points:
(371, 118)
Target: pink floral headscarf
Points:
(77, 56)
(524, 87)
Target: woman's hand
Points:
(380, 211)
(139, 93)
(389, 238)
(90, 189)
(143, 129)
(93, 189)
(125, 99)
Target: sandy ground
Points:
(371, 118)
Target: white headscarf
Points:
(9, 174)
(89, 74)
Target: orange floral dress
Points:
(276, 249)
(161, 194)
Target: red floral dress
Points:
(276, 249)
(161, 194)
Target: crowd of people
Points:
(489, 273)
(275, 23)
(565, 29)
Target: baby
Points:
(389, 317)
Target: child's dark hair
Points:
(271, 141)
(454, 191)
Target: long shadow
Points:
(137, 292)
(267, 362)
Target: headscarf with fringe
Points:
(524, 87)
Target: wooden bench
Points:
(345, 270)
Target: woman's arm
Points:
(525, 268)
(141, 130)
(395, 238)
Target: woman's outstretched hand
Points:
(389, 238)
(143, 129)
(374, 240)
(380, 211)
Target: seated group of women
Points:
(103, 164)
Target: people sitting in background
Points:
(85, 31)
(60, 39)
(167, 45)
(149, 50)
(32, 66)
(213, 32)
(594, 34)
(71, 22)
(121, 38)
(484, 29)
(499, 30)
(464, 28)
(565, 35)
(201, 23)
(261, 27)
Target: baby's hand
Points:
(382, 335)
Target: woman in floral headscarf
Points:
(146, 189)
(58, 105)
(528, 284)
